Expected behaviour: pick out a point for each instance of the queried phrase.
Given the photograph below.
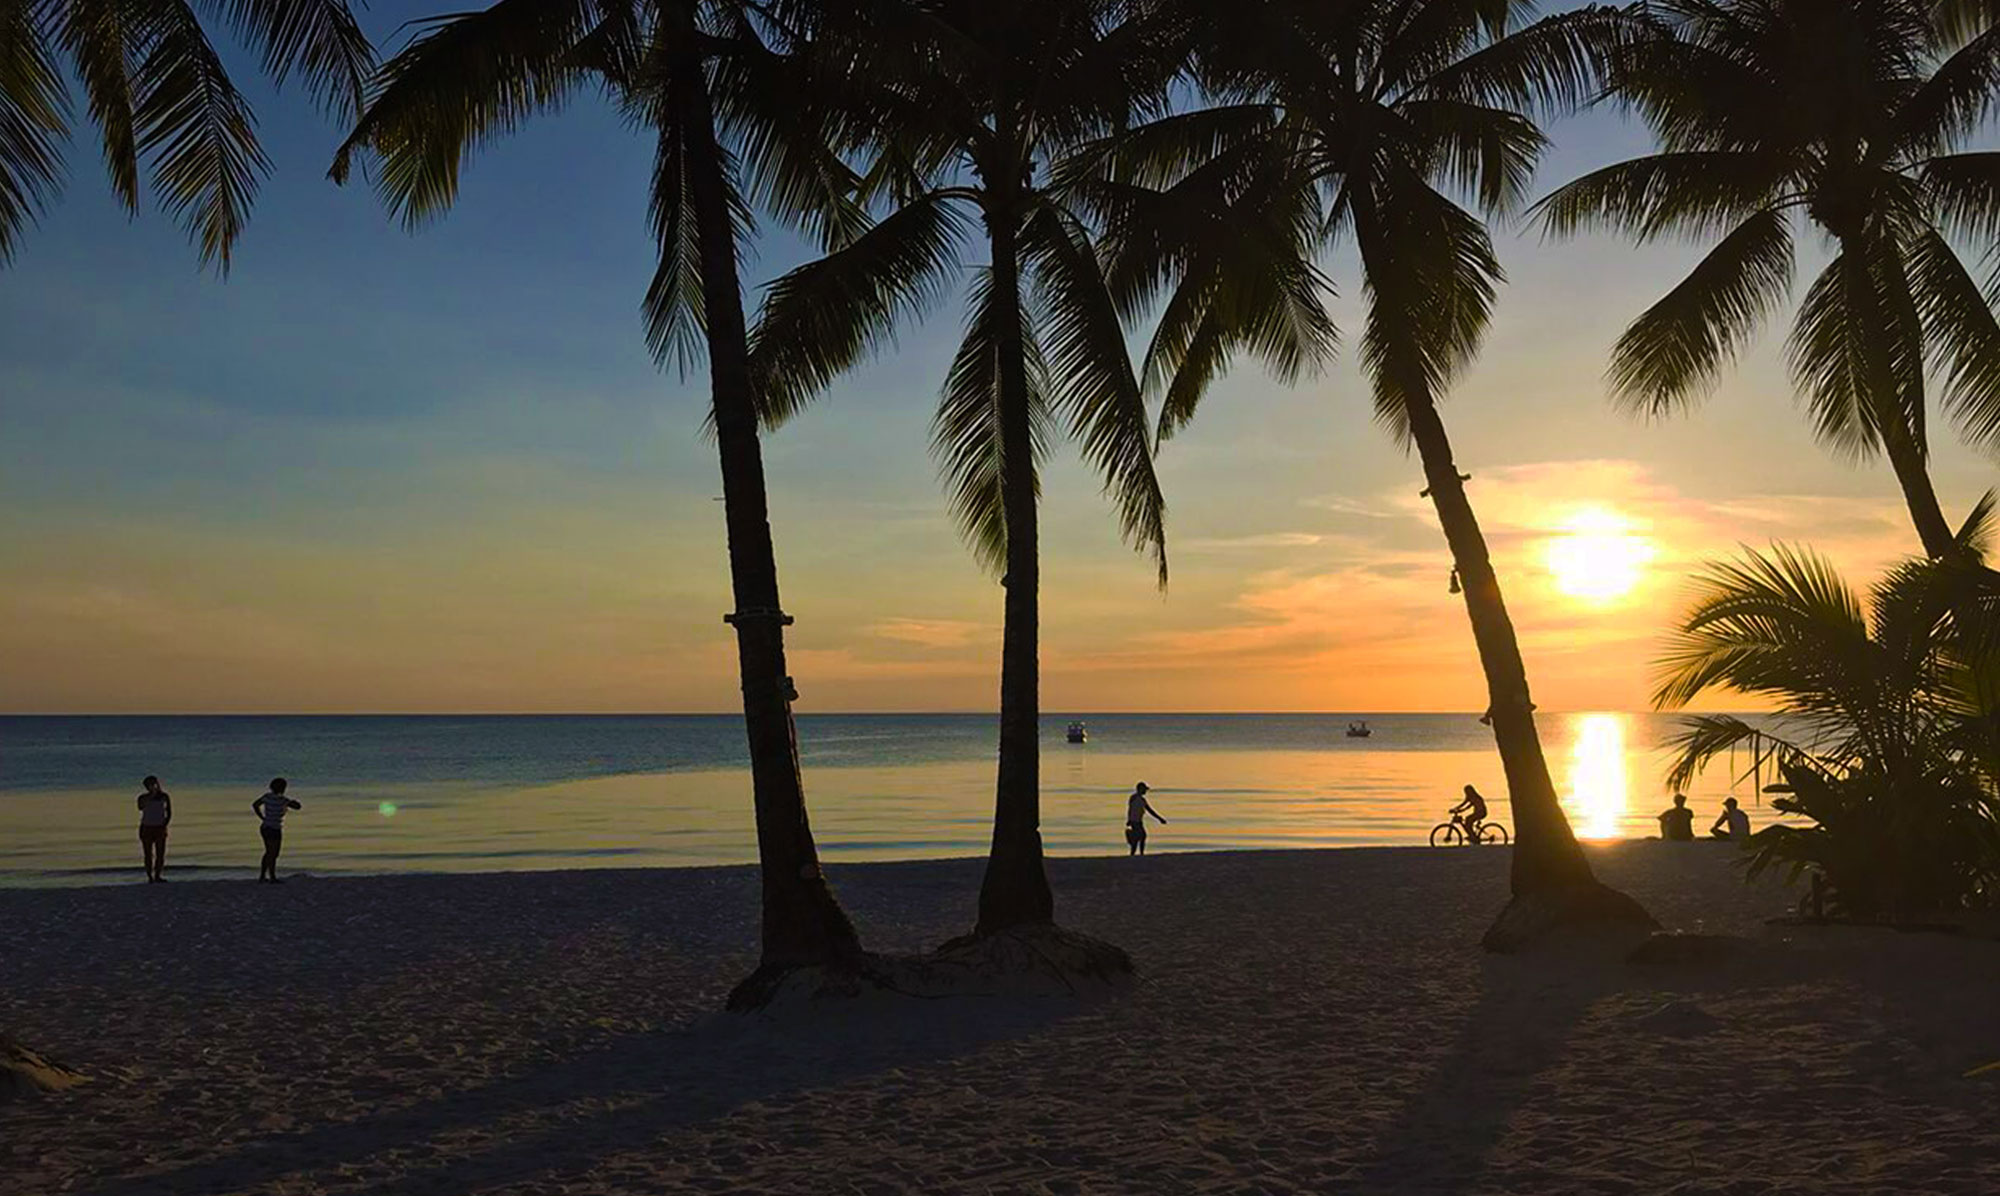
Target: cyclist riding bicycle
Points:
(1474, 809)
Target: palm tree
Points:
(156, 89)
(1889, 728)
(1337, 121)
(976, 100)
(691, 72)
(1848, 117)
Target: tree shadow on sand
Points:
(1530, 1008)
(652, 1083)
(1518, 1028)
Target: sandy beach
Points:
(1305, 1021)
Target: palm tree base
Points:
(1041, 960)
(1589, 909)
(28, 1073)
(1037, 959)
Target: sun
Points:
(1596, 557)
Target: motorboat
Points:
(1358, 729)
(1077, 733)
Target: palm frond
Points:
(1554, 65)
(1952, 101)
(33, 122)
(1782, 624)
(1958, 21)
(463, 80)
(1964, 191)
(675, 308)
(318, 39)
(1431, 275)
(965, 434)
(1674, 351)
(1847, 354)
(1489, 153)
(197, 130)
(780, 112)
(1091, 381)
(104, 41)
(821, 319)
(1160, 153)
(1689, 194)
(1963, 334)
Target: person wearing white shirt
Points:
(271, 810)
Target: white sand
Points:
(1305, 1021)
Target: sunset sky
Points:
(375, 471)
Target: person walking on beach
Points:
(156, 810)
(1474, 809)
(1136, 809)
(272, 808)
(1677, 824)
(1733, 824)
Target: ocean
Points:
(399, 793)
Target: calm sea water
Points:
(458, 793)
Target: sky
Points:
(376, 470)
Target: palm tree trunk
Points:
(1016, 891)
(1906, 457)
(1546, 855)
(802, 921)
(1901, 443)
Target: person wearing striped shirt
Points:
(271, 810)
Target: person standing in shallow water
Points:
(156, 810)
(272, 808)
(1136, 809)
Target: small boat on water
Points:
(1358, 729)
(1077, 733)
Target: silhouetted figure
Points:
(272, 808)
(1136, 809)
(1474, 809)
(1677, 824)
(156, 810)
(1733, 823)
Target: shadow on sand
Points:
(619, 1097)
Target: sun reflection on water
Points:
(1598, 790)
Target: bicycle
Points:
(1453, 834)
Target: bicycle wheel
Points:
(1493, 832)
(1445, 834)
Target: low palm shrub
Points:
(1887, 725)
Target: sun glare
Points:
(1598, 785)
(1596, 556)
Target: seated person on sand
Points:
(1474, 809)
(1677, 824)
(1136, 809)
(1733, 824)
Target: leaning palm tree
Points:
(1357, 122)
(157, 91)
(975, 101)
(731, 120)
(1850, 118)
(1888, 729)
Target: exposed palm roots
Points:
(1025, 961)
(1586, 910)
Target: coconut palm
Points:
(1360, 123)
(157, 91)
(1849, 118)
(732, 123)
(1890, 717)
(976, 100)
